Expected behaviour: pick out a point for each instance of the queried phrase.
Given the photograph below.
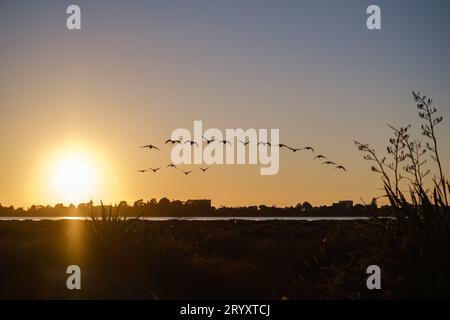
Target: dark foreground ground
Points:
(216, 259)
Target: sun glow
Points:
(74, 178)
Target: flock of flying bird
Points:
(171, 165)
(224, 142)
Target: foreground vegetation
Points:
(217, 259)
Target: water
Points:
(194, 218)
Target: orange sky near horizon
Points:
(76, 106)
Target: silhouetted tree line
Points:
(191, 208)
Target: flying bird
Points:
(142, 171)
(186, 172)
(319, 157)
(154, 169)
(191, 142)
(309, 148)
(244, 143)
(208, 141)
(150, 146)
(281, 145)
(264, 143)
(172, 141)
(171, 166)
(204, 169)
(328, 162)
(341, 167)
(224, 142)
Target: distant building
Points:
(343, 205)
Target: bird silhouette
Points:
(282, 145)
(320, 157)
(224, 142)
(172, 141)
(142, 171)
(309, 148)
(171, 166)
(244, 143)
(154, 169)
(150, 146)
(191, 142)
(328, 162)
(186, 172)
(341, 167)
(204, 169)
(264, 144)
(208, 141)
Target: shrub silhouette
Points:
(426, 212)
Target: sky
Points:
(137, 70)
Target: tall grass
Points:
(413, 250)
(110, 227)
(425, 210)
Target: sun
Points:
(74, 178)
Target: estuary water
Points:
(192, 218)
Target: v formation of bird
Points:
(224, 142)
